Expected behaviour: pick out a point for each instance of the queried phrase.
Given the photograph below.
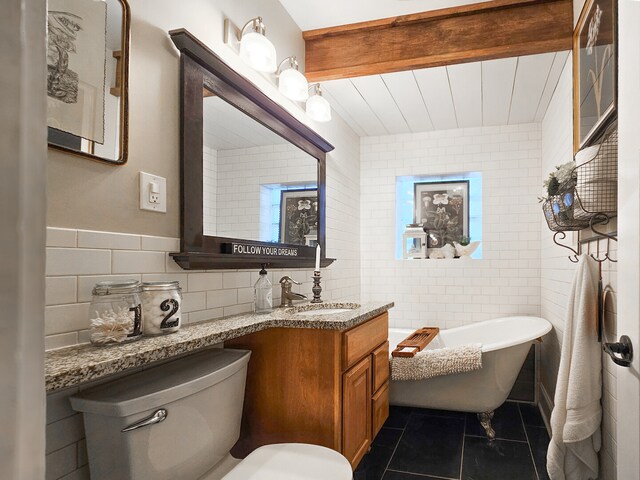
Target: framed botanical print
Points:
(299, 216)
(442, 208)
(594, 71)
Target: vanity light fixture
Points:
(318, 107)
(291, 83)
(255, 48)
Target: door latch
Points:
(620, 352)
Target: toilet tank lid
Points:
(162, 384)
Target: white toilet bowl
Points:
(180, 419)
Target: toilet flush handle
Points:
(157, 417)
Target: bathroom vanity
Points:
(324, 387)
(312, 378)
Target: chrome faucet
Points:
(288, 296)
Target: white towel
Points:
(575, 421)
(436, 362)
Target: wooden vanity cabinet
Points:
(324, 387)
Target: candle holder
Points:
(317, 289)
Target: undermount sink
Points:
(324, 311)
(312, 310)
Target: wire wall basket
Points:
(594, 198)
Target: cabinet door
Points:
(380, 403)
(380, 366)
(356, 411)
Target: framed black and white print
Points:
(299, 216)
(87, 78)
(442, 208)
(594, 71)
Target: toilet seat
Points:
(292, 461)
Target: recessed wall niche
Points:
(438, 216)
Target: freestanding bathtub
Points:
(505, 344)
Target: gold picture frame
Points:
(118, 87)
(594, 71)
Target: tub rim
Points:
(537, 328)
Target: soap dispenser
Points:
(263, 293)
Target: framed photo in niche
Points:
(442, 208)
(594, 71)
(299, 216)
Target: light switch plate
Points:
(156, 202)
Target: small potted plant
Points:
(559, 187)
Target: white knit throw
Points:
(437, 362)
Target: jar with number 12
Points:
(161, 307)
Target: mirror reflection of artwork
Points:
(76, 66)
(299, 217)
(596, 62)
(246, 169)
(442, 208)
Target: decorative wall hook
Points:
(574, 257)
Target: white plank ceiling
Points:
(493, 92)
(311, 14)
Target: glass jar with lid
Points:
(115, 313)
(161, 307)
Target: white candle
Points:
(318, 258)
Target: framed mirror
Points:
(252, 175)
(87, 78)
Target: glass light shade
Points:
(292, 84)
(319, 108)
(259, 52)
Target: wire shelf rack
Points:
(593, 200)
(595, 194)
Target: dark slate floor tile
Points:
(392, 475)
(531, 415)
(506, 422)
(431, 445)
(497, 460)
(523, 391)
(375, 462)
(398, 416)
(539, 441)
(439, 413)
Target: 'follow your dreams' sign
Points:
(260, 250)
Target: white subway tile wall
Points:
(72, 272)
(240, 197)
(450, 293)
(557, 273)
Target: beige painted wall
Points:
(91, 195)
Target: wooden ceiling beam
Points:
(470, 33)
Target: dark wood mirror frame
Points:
(200, 69)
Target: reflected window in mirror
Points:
(256, 185)
(87, 78)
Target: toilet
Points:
(179, 420)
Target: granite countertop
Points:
(72, 366)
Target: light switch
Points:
(153, 193)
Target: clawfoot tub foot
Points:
(485, 421)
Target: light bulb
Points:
(259, 52)
(319, 108)
(292, 84)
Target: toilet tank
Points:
(201, 396)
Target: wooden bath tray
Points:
(416, 341)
